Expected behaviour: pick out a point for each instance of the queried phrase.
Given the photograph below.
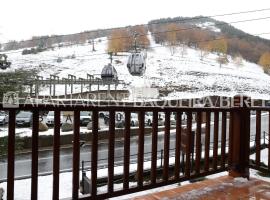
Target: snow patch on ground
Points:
(264, 156)
(180, 76)
(209, 25)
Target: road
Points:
(23, 162)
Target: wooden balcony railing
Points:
(219, 139)
(261, 128)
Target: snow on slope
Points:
(180, 77)
(208, 25)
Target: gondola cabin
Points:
(108, 73)
(136, 64)
(3, 61)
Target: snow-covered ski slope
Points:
(181, 76)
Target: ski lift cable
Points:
(153, 47)
(190, 28)
(165, 22)
(175, 30)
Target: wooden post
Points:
(31, 89)
(38, 81)
(240, 137)
(36, 88)
(89, 79)
(71, 88)
(115, 91)
(50, 86)
(72, 80)
(65, 80)
(82, 84)
(108, 91)
(54, 88)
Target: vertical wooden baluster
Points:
(247, 118)
(223, 139)
(11, 154)
(126, 150)
(188, 146)
(258, 138)
(76, 155)
(198, 143)
(94, 157)
(154, 148)
(268, 140)
(207, 141)
(56, 154)
(34, 169)
(111, 151)
(178, 144)
(215, 149)
(230, 140)
(140, 149)
(166, 147)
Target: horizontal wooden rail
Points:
(190, 148)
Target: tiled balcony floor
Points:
(224, 188)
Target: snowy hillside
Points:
(178, 76)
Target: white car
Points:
(85, 117)
(3, 118)
(24, 118)
(50, 118)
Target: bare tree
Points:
(204, 50)
(265, 62)
(183, 49)
(238, 60)
(119, 41)
(171, 37)
(220, 46)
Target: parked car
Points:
(119, 119)
(148, 118)
(173, 119)
(24, 118)
(85, 117)
(50, 118)
(267, 103)
(161, 119)
(3, 118)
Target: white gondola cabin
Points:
(136, 64)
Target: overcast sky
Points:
(22, 19)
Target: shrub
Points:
(33, 50)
